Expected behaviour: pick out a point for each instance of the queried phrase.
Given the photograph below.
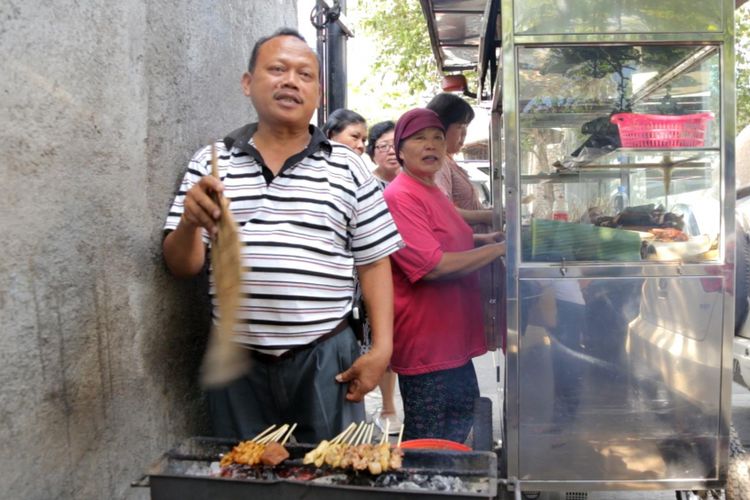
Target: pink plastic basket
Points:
(662, 131)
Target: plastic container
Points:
(435, 444)
(662, 131)
(560, 208)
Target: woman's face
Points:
(423, 153)
(455, 136)
(384, 155)
(354, 136)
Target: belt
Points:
(269, 358)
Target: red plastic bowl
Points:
(435, 444)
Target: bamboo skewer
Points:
(369, 434)
(276, 435)
(384, 437)
(355, 437)
(262, 434)
(344, 434)
(288, 434)
(400, 435)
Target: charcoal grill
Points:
(176, 476)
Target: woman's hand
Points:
(488, 238)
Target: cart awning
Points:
(465, 35)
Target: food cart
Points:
(612, 150)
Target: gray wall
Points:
(101, 106)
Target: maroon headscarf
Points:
(411, 122)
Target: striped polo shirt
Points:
(301, 234)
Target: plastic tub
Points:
(435, 444)
(662, 131)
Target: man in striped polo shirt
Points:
(308, 212)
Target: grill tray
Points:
(169, 477)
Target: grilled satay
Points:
(246, 453)
(273, 454)
(263, 449)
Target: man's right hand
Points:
(200, 208)
(184, 250)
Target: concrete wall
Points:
(101, 106)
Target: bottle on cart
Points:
(620, 200)
(560, 207)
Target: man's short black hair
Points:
(340, 119)
(451, 109)
(376, 132)
(279, 32)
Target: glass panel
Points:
(620, 374)
(619, 153)
(548, 17)
(458, 28)
(475, 5)
(460, 56)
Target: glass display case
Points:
(618, 126)
(589, 195)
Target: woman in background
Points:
(381, 152)
(348, 128)
(380, 149)
(456, 114)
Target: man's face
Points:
(284, 85)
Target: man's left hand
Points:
(363, 375)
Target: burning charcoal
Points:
(215, 469)
(389, 479)
(446, 483)
(197, 469)
(408, 485)
(420, 479)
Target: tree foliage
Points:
(404, 67)
(742, 65)
(404, 47)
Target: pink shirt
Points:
(438, 324)
(454, 181)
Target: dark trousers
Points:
(439, 404)
(301, 388)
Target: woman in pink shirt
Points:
(437, 312)
(456, 114)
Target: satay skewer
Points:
(369, 434)
(275, 436)
(345, 433)
(352, 441)
(400, 435)
(362, 435)
(384, 437)
(351, 430)
(288, 434)
(262, 434)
